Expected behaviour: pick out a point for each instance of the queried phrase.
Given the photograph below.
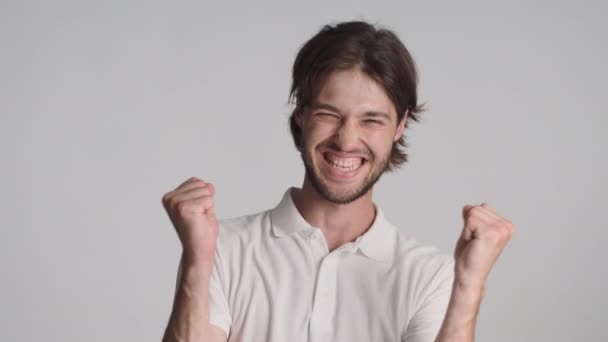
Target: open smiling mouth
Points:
(343, 167)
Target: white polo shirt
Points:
(274, 280)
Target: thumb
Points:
(467, 232)
(210, 212)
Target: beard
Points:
(344, 198)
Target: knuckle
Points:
(211, 188)
(488, 206)
(201, 184)
(167, 197)
(194, 179)
(508, 225)
(466, 210)
(476, 210)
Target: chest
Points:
(294, 290)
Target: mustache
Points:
(332, 146)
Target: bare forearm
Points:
(190, 316)
(461, 315)
(484, 235)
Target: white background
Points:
(107, 105)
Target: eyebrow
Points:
(372, 113)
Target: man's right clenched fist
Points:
(191, 209)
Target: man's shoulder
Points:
(243, 226)
(415, 253)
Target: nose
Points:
(347, 136)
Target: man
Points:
(325, 264)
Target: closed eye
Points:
(327, 115)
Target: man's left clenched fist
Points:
(484, 235)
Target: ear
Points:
(401, 126)
(298, 118)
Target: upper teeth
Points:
(344, 162)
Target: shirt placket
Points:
(324, 302)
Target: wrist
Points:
(196, 266)
(198, 259)
(468, 292)
(196, 275)
(470, 284)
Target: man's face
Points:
(347, 136)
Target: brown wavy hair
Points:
(377, 52)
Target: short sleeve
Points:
(219, 313)
(427, 320)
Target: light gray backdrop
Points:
(107, 105)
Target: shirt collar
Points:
(286, 219)
(378, 242)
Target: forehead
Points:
(353, 92)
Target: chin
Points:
(340, 187)
(342, 180)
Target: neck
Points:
(339, 223)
